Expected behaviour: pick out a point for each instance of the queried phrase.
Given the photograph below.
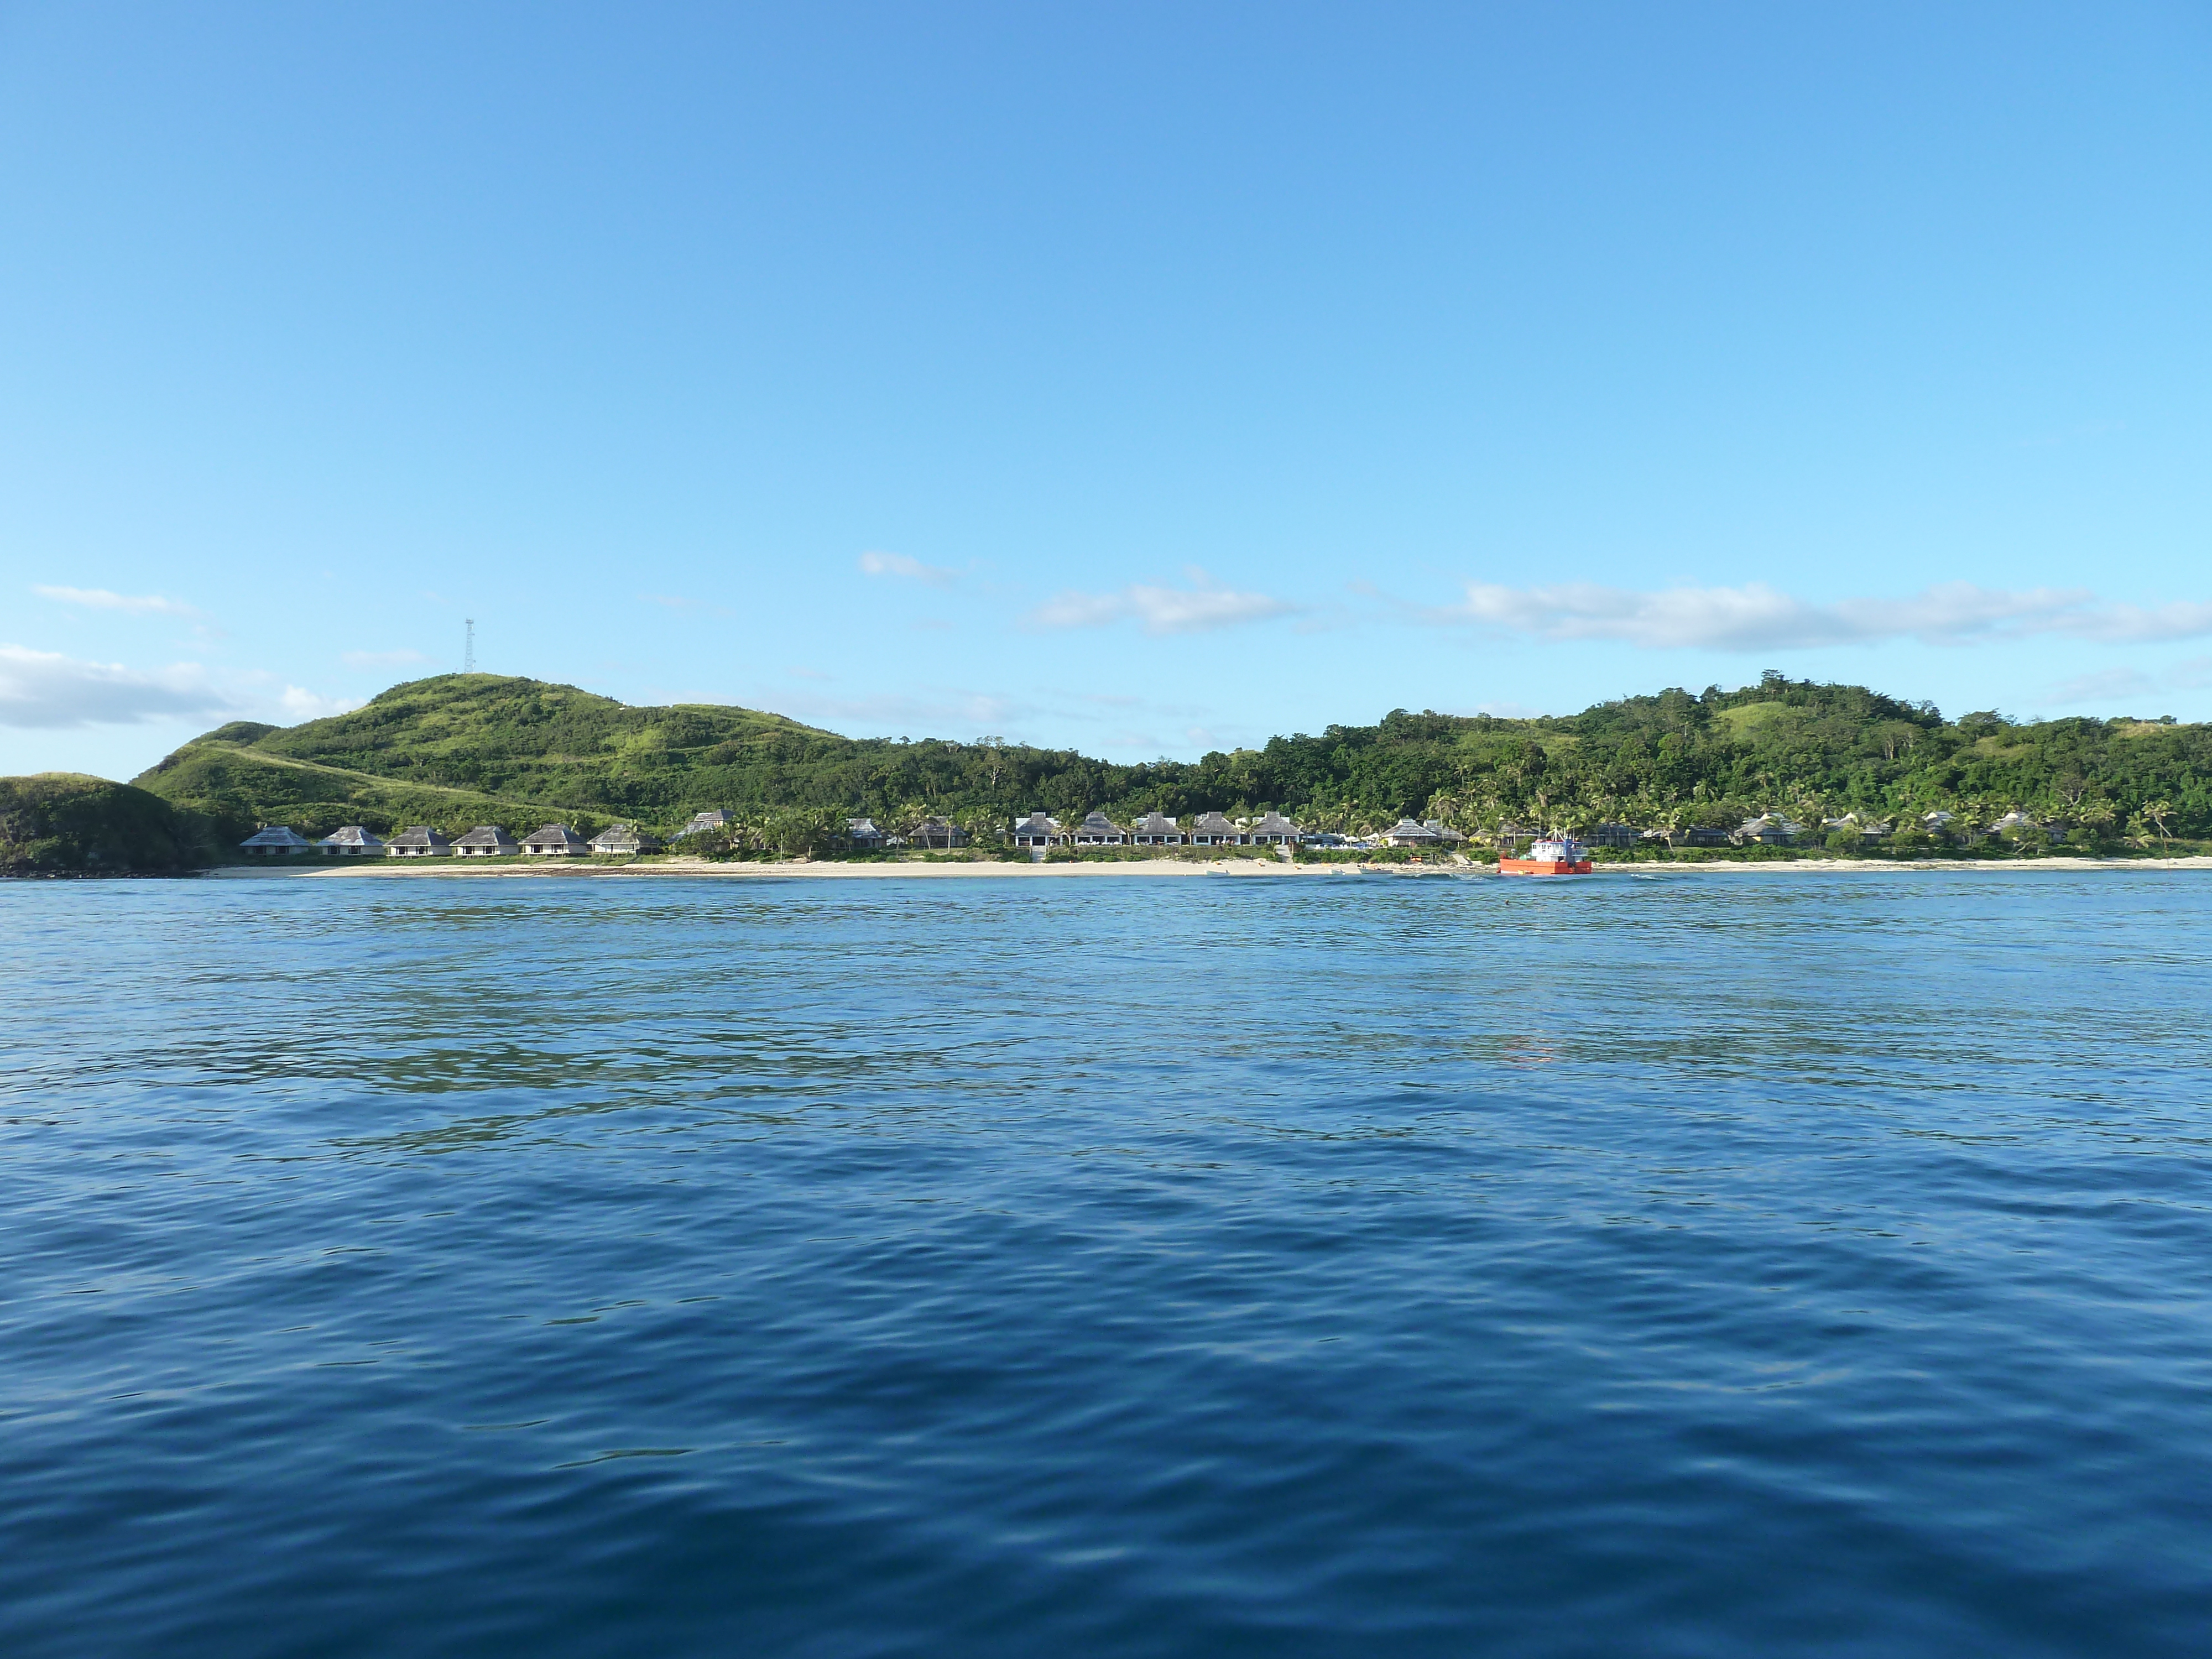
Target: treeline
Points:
(462, 750)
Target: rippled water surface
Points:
(1721, 1264)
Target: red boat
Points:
(1554, 855)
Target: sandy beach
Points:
(517, 869)
(832, 869)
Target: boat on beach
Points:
(1552, 855)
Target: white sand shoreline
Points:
(385, 869)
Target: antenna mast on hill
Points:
(469, 651)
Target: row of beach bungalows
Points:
(1041, 829)
(485, 841)
(1038, 831)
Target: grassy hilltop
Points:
(461, 750)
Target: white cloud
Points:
(305, 705)
(2134, 624)
(46, 690)
(2109, 686)
(913, 570)
(399, 658)
(1756, 618)
(1194, 609)
(99, 599)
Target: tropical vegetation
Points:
(66, 823)
(1844, 761)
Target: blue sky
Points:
(1143, 378)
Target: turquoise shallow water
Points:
(1722, 1264)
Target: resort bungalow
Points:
(1407, 833)
(2015, 820)
(1155, 829)
(556, 841)
(485, 841)
(1445, 833)
(1036, 830)
(1273, 829)
(1097, 830)
(353, 839)
(624, 840)
(1614, 835)
(1211, 829)
(1705, 834)
(1869, 827)
(715, 818)
(277, 838)
(419, 842)
(939, 832)
(862, 835)
(1770, 830)
(1938, 822)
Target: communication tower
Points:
(469, 651)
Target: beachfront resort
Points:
(1039, 833)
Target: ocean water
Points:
(1712, 1264)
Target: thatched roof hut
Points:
(1407, 833)
(485, 841)
(1211, 829)
(353, 840)
(1097, 829)
(555, 841)
(417, 842)
(277, 838)
(624, 839)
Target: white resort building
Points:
(555, 841)
(277, 838)
(417, 842)
(1097, 830)
(1211, 829)
(485, 841)
(352, 840)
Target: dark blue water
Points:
(1713, 1264)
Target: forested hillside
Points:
(64, 823)
(461, 750)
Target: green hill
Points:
(64, 823)
(462, 750)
